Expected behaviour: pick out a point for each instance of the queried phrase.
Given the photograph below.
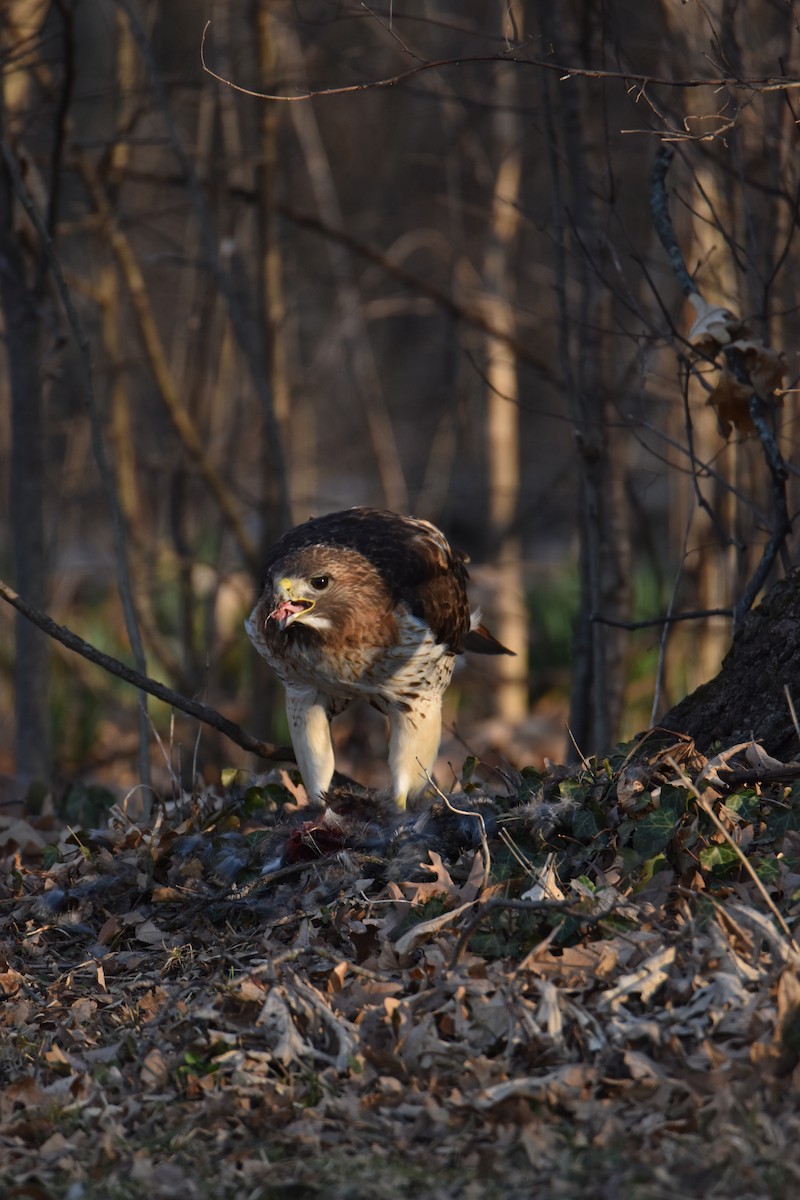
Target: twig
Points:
(697, 467)
(764, 83)
(664, 637)
(355, 968)
(781, 522)
(734, 779)
(587, 766)
(668, 618)
(145, 684)
(185, 428)
(659, 207)
(442, 299)
(461, 812)
(792, 710)
(516, 853)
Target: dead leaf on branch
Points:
(765, 366)
(717, 329)
(730, 397)
(713, 327)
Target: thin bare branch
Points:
(659, 207)
(766, 83)
(442, 299)
(668, 619)
(781, 522)
(202, 712)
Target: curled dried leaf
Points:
(765, 366)
(731, 397)
(714, 326)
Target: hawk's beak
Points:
(287, 607)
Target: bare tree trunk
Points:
(21, 317)
(600, 651)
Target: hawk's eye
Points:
(319, 582)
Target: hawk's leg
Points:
(309, 717)
(414, 736)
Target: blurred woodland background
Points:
(433, 285)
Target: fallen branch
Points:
(202, 712)
(732, 779)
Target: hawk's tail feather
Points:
(480, 641)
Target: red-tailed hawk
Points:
(365, 603)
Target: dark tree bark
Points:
(747, 699)
(23, 352)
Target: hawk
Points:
(366, 603)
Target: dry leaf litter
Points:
(561, 984)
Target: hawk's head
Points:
(327, 589)
(295, 599)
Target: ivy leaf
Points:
(744, 804)
(655, 831)
(584, 825)
(719, 858)
(50, 856)
(782, 821)
(768, 870)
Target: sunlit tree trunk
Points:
(296, 419)
(509, 614)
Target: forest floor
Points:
(581, 983)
